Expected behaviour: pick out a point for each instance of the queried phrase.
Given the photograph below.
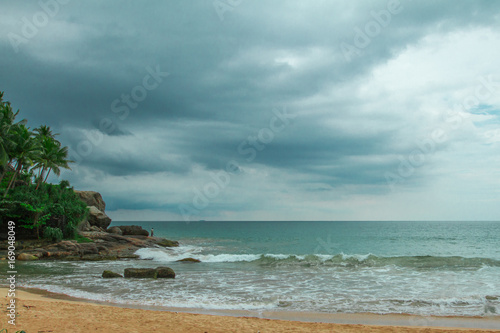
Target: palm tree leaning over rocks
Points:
(22, 149)
(25, 152)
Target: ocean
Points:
(419, 268)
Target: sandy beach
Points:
(41, 313)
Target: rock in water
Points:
(140, 273)
(165, 273)
(115, 230)
(111, 275)
(166, 243)
(189, 260)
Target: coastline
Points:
(39, 309)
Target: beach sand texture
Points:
(37, 313)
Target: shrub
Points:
(53, 234)
(69, 231)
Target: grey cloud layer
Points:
(225, 78)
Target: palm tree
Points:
(60, 160)
(52, 156)
(26, 150)
(45, 132)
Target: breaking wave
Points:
(341, 259)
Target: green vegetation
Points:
(27, 158)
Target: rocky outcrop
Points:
(166, 243)
(101, 246)
(134, 230)
(110, 275)
(96, 206)
(189, 260)
(165, 273)
(84, 226)
(140, 273)
(115, 230)
(92, 198)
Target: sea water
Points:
(421, 268)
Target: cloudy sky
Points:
(266, 110)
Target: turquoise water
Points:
(440, 268)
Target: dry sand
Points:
(40, 314)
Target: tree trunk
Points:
(40, 176)
(48, 173)
(4, 171)
(18, 169)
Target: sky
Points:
(258, 110)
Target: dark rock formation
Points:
(140, 273)
(165, 273)
(110, 275)
(115, 230)
(189, 260)
(151, 273)
(103, 246)
(166, 243)
(133, 230)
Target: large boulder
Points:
(165, 273)
(133, 230)
(98, 218)
(92, 198)
(110, 275)
(140, 273)
(115, 230)
(84, 226)
(166, 243)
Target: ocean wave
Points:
(341, 259)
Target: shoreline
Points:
(388, 321)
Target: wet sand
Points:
(39, 311)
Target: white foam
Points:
(360, 257)
(163, 256)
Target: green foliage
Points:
(53, 234)
(70, 231)
(50, 205)
(64, 183)
(81, 239)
